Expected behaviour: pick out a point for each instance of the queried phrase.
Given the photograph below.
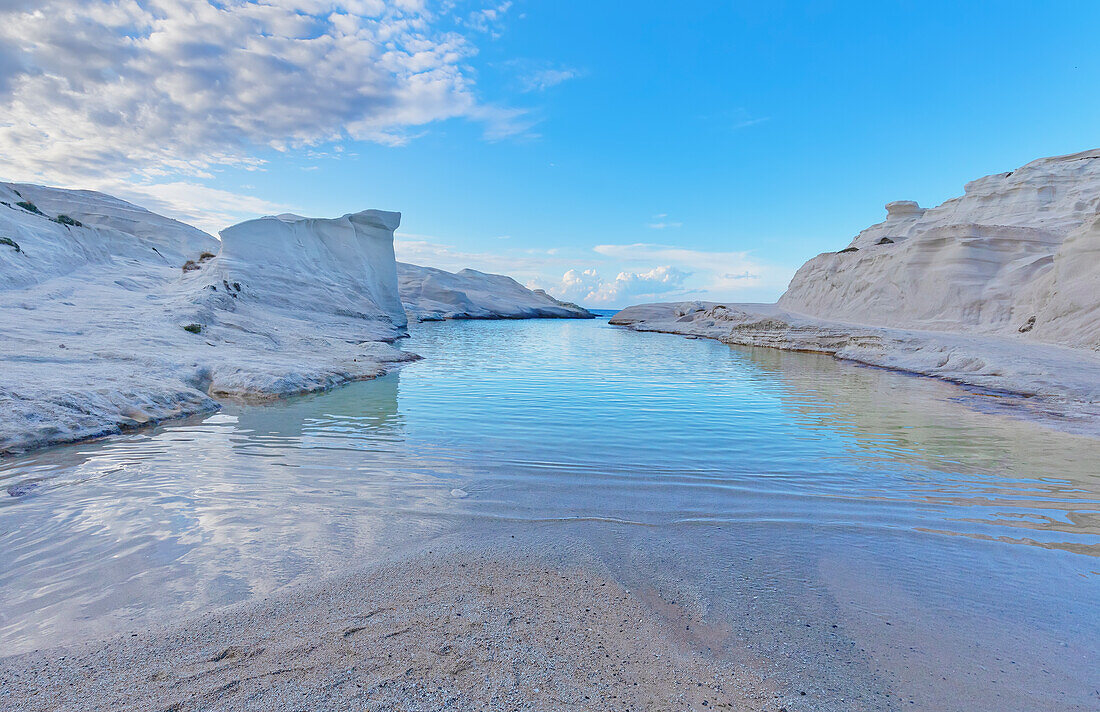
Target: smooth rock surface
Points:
(997, 289)
(344, 266)
(115, 317)
(431, 294)
(130, 318)
(1017, 255)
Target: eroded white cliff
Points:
(431, 294)
(998, 288)
(114, 317)
(343, 266)
(109, 230)
(1011, 257)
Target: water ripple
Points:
(540, 422)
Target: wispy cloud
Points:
(735, 119)
(96, 91)
(661, 223)
(742, 119)
(204, 207)
(488, 19)
(502, 122)
(535, 75)
(543, 79)
(523, 264)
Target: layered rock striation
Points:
(1017, 255)
(431, 294)
(115, 317)
(997, 289)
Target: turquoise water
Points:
(861, 531)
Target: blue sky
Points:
(610, 152)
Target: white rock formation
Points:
(94, 314)
(343, 266)
(431, 294)
(999, 288)
(114, 317)
(117, 231)
(1017, 255)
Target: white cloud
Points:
(501, 123)
(522, 264)
(588, 287)
(488, 19)
(719, 271)
(536, 75)
(543, 79)
(642, 272)
(681, 273)
(150, 91)
(661, 223)
(206, 208)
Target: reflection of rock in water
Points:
(900, 423)
(359, 412)
(931, 421)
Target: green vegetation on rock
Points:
(30, 207)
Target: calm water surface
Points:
(864, 532)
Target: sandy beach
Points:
(495, 630)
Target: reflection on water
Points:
(822, 488)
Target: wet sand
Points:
(456, 630)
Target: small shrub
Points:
(193, 328)
(885, 241)
(10, 243)
(1028, 325)
(206, 256)
(190, 266)
(848, 249)
(30, 207)
(66, 220)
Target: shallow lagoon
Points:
(857, 532)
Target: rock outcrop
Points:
(998, 288)
(65, 231)
(344, 266)
(116, 317)
(1012, 257)
(431, 294)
